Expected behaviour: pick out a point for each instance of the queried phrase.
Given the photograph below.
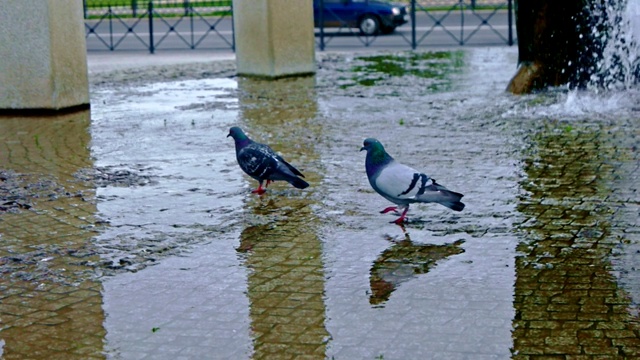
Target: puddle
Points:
(285, 284)
(180, 184)
(132, 233)
(457, 302)
(402, 262)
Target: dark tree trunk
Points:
(553, 39)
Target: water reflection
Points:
(402, 262)
(567, 301)
(50, 307)
(171, 194)
(279, 243)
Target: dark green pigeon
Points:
(262, 163)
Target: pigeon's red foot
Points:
(402, 219)
(390, 208)
(260, 190)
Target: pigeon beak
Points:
(362, 148)
(229, 134)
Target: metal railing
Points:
(463, 8)
(143, 24)
(153, 24)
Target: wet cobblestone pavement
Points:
(129, 232)
(576, 291)
(50, 301)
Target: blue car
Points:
(370, 16)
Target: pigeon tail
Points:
(453, 205)
(442, 196)
(297, 182)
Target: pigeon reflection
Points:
(402, 261)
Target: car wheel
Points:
(369, 25)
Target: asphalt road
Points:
(432, 30)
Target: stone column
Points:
(274, 38)
(43, 54)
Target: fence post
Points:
(510, 17)
(151, 48)
(321, 22)
(233, 31)
(111, 29)
(186, 7)
(192, 28)
(461, 4)
(413, 24)
(84, 8)
(134, 7)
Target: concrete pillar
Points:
(43, 56)
(274, 38)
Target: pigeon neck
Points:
(377, 160)
(240, 143)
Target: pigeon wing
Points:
(289, 166)
(257, 160)
(402, 182)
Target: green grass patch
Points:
(436, 66)
(125, 9)
(142, 13)
(141, 4)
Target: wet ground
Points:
(129, 232)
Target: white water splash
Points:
(577, 104)
(580, 103)
(619, 64)
(613, 89)
(633, 14)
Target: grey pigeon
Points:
(401, 184)
(262, 163)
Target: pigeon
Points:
(402, 184)
(262, 163)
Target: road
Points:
(432, 30)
